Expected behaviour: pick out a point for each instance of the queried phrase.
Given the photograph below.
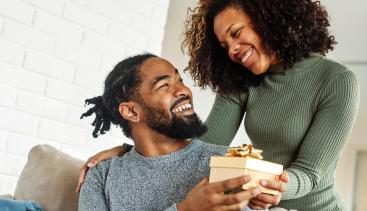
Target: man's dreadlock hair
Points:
(120, 86)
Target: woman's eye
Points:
(236, 33)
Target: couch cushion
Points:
(6, 196)
(49, 178)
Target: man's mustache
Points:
(180, 100)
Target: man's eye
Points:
(180, 81)
(164, 85)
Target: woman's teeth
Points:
(182, 107)
(246, 56)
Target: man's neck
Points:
(152, 144)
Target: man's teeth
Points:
(246, 56)
(182, 107)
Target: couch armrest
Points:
(6, 196)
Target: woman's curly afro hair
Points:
(293, 29)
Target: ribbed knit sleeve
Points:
(323, 143)
(224, 119)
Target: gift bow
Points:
(246, 150)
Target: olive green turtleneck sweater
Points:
(301, 117)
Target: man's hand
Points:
(209, 196)
(95, 159)
(264, 201)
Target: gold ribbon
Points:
(245, 150)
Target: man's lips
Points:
(182, 104)
(180, 101)
(182, 107)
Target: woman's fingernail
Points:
(90, 164)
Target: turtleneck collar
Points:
(301, 66)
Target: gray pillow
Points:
(50, 178)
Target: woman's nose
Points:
(234, 49)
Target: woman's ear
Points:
(128, 111)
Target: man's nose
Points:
(182, 90)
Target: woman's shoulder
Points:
(332, 67)
(329, 70)
(338, 78)
(232, 98)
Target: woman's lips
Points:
(246, 55)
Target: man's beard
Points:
(176, 127)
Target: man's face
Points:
(167, 102)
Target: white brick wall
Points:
(58, 27)
(3, 137)
(10, 53)
(22, 79)
(49, 66)
(7, 96)
(53, 55)
(17, 10)
(54, 6)
(28, 37)
(85, 17)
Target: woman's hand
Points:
(264, 201)
(95, 159)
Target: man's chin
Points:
(189, 126)
(187, 118)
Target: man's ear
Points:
(129, 111)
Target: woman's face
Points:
(235, 33)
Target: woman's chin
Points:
(255, 71)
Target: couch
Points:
(50, 178)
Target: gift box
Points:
(244, 160)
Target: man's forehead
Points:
(155, 67)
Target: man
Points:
(147, 98)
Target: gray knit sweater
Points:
(135, 182)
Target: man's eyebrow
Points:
(164, 77)
(160, 78)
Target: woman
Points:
(264, 58)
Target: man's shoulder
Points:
(101, 168)
(211, 149)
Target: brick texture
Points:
(54, 55)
